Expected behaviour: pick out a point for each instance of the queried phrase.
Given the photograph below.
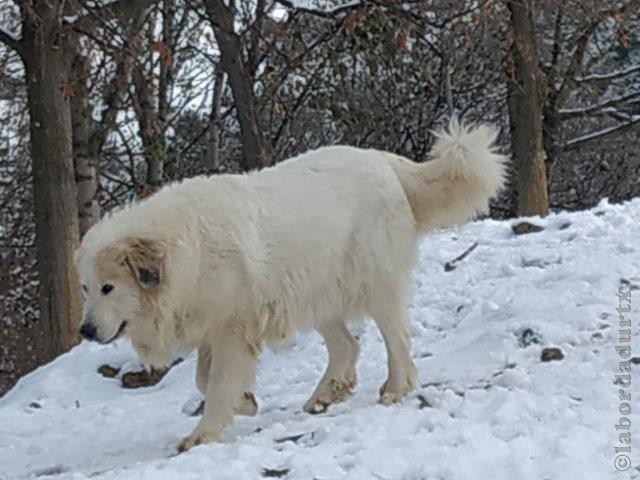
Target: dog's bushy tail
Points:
(463, 173)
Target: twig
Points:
(450, 266)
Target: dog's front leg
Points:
(246, 404)
(232, 372)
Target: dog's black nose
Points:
(88, 331)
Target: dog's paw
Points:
(334, 391)
(315, 407)
(396, 387)
(197, 438)
(393, 394)
(389, 398)
(248, 405)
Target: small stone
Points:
(35, 405)
(142, 378)
(528, 337)
(292, 438)
(534, 262)
(274, 472)
(525, 227)
(635, 360)
(424, 403)
(564, 226)
(108, 371)
(55, 470)
(199, 410)
(624, 283)
(551, 353)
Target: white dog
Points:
(228, 263)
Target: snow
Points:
(327, 6)
(495, 411)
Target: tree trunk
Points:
(85, 154)
(212, 159)
(47, 66)
(254, 147)
(525, 112)
(151, 133)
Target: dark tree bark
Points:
(47, 62)
(212, 160)
(86, 149)
(525, 112)
(151, 132)
(151, 104)
(166, 58)
(254, 147)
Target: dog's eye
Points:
(106, 288)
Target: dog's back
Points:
(326, 229)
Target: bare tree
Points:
(572, 59)
(46, 49)
(212, 159)
(236, 66)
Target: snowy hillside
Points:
(488, 408)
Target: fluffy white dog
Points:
(228, 263)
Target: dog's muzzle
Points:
(88, 331)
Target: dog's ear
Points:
(145, 258)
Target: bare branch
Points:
(451, 265)
(581, 44)
(583, 111)
(118, 9)
(609, 76)
(599, 134)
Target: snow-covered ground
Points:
(494, 410)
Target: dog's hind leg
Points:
(390, 317)
(247, 404)
(339, 379)
(203, 368)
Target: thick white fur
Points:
(312, 243)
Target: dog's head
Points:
(121, 282)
